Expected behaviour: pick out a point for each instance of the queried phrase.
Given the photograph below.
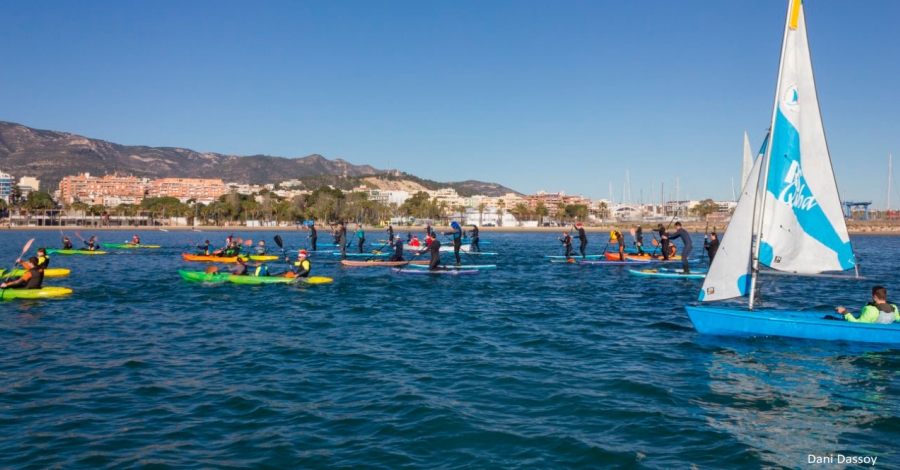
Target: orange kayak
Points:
(217, 259)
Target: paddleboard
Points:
(378, 262)
(362, 255)
(462, 266)
(446, 272)
(44, 292)
(573, 256)
(611, 263)
(671, 273)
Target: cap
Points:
(578, 224)
(301, 253)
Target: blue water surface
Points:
(532, 365)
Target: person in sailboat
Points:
(685, 237)
(879, 310)
(711, 245)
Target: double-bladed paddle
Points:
(19, 259)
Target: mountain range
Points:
(52, 155)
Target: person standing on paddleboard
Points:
(313, 235)
(341, 239)
(475, 247)
(583, 237)
(435, 251)
(457, 239)
(663, 241)
(711, 246)
(639, 239)
(398, 249)
(616, 236)
(390, 231)
(361, 236)
(685, 237)
(566, 240)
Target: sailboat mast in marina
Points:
(788, 218)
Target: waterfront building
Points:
(28, 184)
(552, 201)
(92, 190)
(188, 188)
(5, 186)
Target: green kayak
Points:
(127, 245)
(51, 251)
(203, 276)
(41, 293)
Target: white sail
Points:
(802, 227)
(747, 162)
(729, 273)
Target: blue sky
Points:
(533, 95)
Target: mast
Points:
(793, 14)
(887, 212)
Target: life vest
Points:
(885, 312)
(261, 270)
(34, 277)
(43, 262)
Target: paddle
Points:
(410, 261)
(705, 233)
(19, 259)
(281, 245)
(466, 252)
(377, 251)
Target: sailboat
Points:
(747, 163)
(788, 218)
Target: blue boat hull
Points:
(791, 324)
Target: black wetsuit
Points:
(567, 243)
(711, 247)
(429, 230)
(313, 236)
(583, 237)
(686, 251)
(35, 277)
(67, 244)
(664, 243)
(434, 249)
(342, 241)
(398, 251)
(475, 246)
(620, 239)
(205, 249)
(302, 268)
(639, 240)
(390, 231)
(43, 262)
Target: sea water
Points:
(531, 365)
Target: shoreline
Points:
(854, 227)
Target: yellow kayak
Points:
(50, 272)
(43, 292)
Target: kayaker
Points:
(313, 235)
(711, 246)
(663, 241)
(582, 236)
(261, 248)
(390, 232)
(435, 251)
(241, 268)
(456, 238)
(261, 270)
(474, 234)
(398, 249)
(360, 237)
(342, 239)
(67, 243)
(639, 239)
(91, 243)
(301, 267)
(566, 240)
(616, 236)
(415, 241)
(879, 310)
(43, 260)
(135, 240)
(205, 248)
(32, 279)
(685, 237)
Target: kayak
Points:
(263, 257)
(378, 262)
(43, 292)
(50, 272)
(426, 272)
(662, 272)
(127, 245)
(611, 262)
(203, 276)
(461, 266)
(51, 251)
(652, 258)
(218, 259)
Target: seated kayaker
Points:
(32, 279)
(261, 270)
(91, 243)
(205, 247)
(415, 241)
(67, 243)
(301, 267)
(879, 310)
(43, 260)
(241, 268)
(261, 248)
(136, 240)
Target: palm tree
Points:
(481, 207)
(560, 212)
(541, 211)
